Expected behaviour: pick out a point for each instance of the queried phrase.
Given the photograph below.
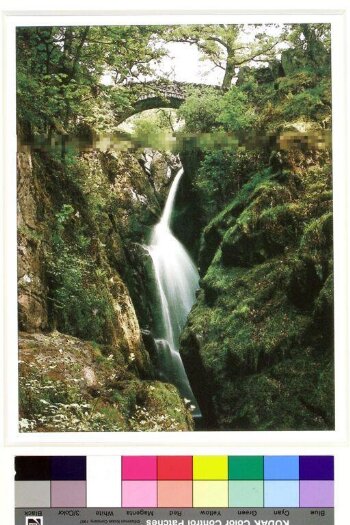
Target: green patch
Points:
(68, 385)
(261, 329)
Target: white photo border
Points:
(340, 203)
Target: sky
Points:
(185, 63)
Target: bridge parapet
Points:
(171, 89)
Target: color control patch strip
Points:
(174, 481)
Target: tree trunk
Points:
(63, 146)
(229, 73)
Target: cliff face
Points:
(32, 287)
(261, 333)
(81, 224)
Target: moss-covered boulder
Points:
(261, 330)
(70, 385)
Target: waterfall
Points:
(177, 280)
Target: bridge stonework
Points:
(161, 94)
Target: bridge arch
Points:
(154, 95)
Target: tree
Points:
(312, 43)
(227, 46)
(201, 112)
(61, 69)
(152, 129)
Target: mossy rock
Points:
(256, 238)
(261, 331)
(304, 284)
(67, 385)
(209, 243)
(243, 249)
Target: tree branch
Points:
(78, 53)
(218, 64)
(219, 40)
(256, 55)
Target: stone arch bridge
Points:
(161, 94)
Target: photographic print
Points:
(175, 235)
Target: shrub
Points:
(81, 303)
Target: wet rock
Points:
(150, 344)
(32, 235)
(160, 167)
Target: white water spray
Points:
(177, 281)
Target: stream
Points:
(177, 280)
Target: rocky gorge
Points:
(261, 326)
(69, 295)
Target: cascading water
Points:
(177, 281)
